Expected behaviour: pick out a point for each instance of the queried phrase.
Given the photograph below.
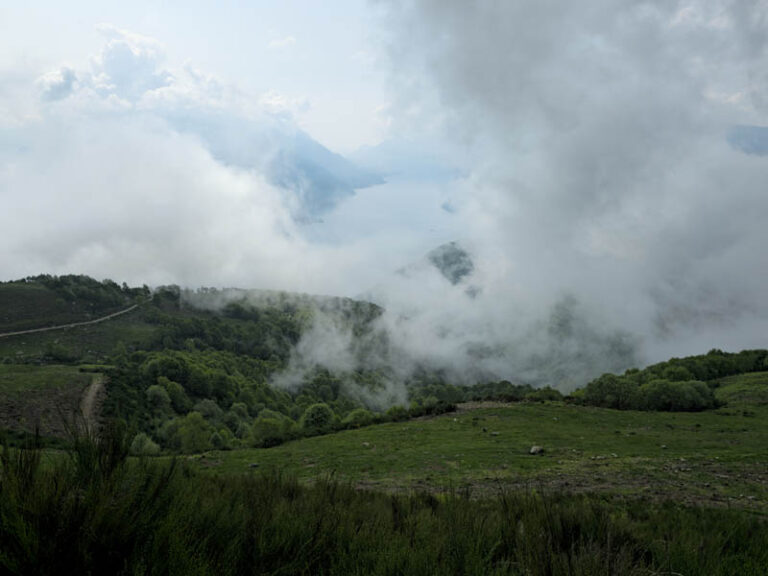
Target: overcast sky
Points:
(609, 152)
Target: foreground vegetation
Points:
(98, 512)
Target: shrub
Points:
(397, 413)
(271, 428)
(669, 396)
(143, 445)
(546, 394)
(358, 418)
(158, 398)
(317, 419)
(610, 391)
(194, 433)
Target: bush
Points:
(143, 445)
(194, 433)
(397, 413)
(546, 394)
(271, 428)
(691, 396)
(158, 398)
(610, 391)
(317, 419)
(358, 418)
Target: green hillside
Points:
(656, 471)
(43, 301)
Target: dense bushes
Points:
(98, 513)
(675, 385)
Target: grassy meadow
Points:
(718, 458)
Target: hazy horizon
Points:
(603, 165)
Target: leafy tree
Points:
(610, 391)
(271, 428)
(317, 419)
(358, 418)
(546, 394)
(158, 398)
(143, 445)
(194, 433)
(179, 400)
(397, 413)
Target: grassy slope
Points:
(17, 379)
(92, 343)
(718, 457)
(40, 396)
(745, 389)
(26, 306)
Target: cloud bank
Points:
(122, 168)
(602, 169)
(606, 180)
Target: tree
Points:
(143, 445)
(358, 418)
(271, 428)
(317, 419)
(610, 391)
(194, 433)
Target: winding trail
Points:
(73, 325)
(90, 397)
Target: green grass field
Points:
(41, 397)
(715, 458)
(750, 389)
(27, 306)
(17, 379)
(91, 343)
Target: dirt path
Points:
(91, 400)
(73, 325)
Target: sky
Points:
(604, 164)
(317, 59)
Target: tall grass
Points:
(98, 512)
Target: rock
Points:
(536, 450)
(485, 429)
(494, 433)
(253, 465)
(366, 444)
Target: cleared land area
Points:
(717, 458)
(41, 396)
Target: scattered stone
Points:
(366, 444)
(485, 429)
(536, 450)
(494, 433)
(663, 446)
(253, 465)
(614, 455)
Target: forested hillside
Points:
(189, 371)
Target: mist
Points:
(600, 165)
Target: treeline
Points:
(679, 384)
(81, 288)
(93, 511)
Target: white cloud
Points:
(282, 43)
(596, 164)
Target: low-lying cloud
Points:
(608, 188)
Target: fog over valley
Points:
(540, 192)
